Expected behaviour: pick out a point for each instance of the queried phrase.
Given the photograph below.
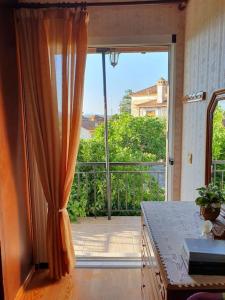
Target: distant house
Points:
(88, 125)
(85, 133)
(151, 101)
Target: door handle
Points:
(171, 161)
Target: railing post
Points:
(108, 178)
(214, 172)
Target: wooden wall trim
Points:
(216, 96)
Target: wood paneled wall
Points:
(15, 233)
(204, 71)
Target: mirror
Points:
(215, 140)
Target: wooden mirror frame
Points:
(216, 97)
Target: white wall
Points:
(134, 24)
(204, 71)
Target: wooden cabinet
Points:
(152, 283)
(164, 275)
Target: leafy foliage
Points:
(218, 143)
(131, 139)
(125, 104)
(209, 195)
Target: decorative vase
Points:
(210, 213)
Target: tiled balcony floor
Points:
(119, 237)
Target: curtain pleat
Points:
(52, 49)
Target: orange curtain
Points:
(52, 48)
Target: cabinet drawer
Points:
(149, 283)
(151, 276)
(146, 241)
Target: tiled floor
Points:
(119, 237)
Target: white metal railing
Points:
(130, 183)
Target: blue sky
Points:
(222, 104)
(134, 71)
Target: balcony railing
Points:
(131, 183)
(218, 173)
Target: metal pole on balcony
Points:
(108, 178)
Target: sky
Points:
(134, 71)
(221, 103)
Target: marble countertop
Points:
(168, 224)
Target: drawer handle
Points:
(144, 265)
(143, 285)
(143, 245)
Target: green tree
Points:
(131, 139)
(125, 104)
(218, 145)
(218, 142)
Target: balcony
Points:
(118, 240)
(94, 236)
(100, 242)
(130, 183)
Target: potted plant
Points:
(210, 199)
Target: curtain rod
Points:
(32, 5)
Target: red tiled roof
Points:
(88, 125)
(91, 122)
(146, 92)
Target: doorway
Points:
(137, 150)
